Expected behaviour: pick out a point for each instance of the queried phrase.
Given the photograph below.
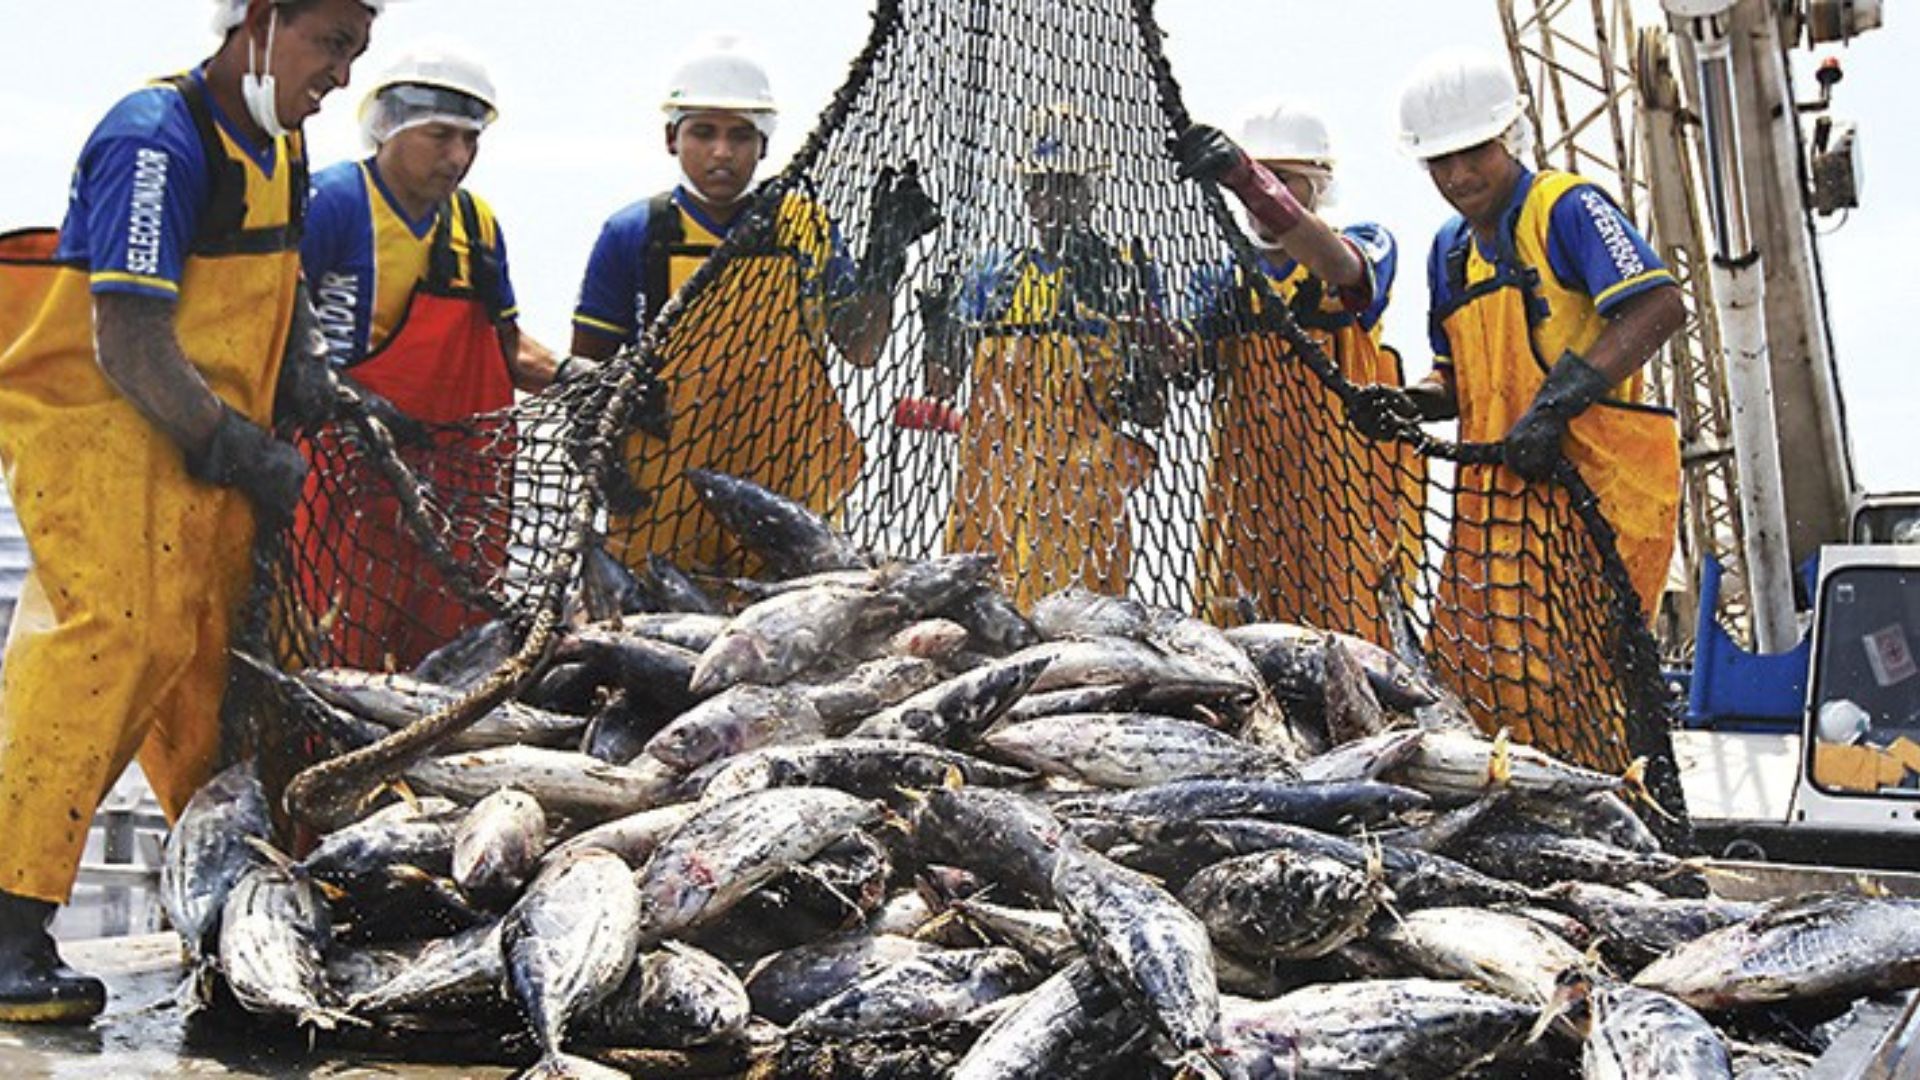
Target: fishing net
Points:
(1078, 367)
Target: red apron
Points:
(376, 599)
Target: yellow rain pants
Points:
(748, 391)
(120, 645)
(1305, 516)
(1043, 477)
(1495, 639)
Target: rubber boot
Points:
(35, 987)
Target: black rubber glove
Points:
(1382, 411)
(900, 212)
(406, 430)
(242, 455)
(573, 369)
(1204, 152)
(1532, 447)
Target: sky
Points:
(580, 84)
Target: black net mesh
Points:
(1078, 368)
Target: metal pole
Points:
(1740, 295)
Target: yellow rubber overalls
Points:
(1306, 516)
(119, 646)
(1043, 474)
(1495, 639)
(745, 365)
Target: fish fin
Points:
(1500, 760)
(1200, 1064)
(1635, 780)
(1570, 989)
(274, 855)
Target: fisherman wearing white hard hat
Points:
(792, 288)
(1291, 565)
(136, 398)
(414, 295)
(1545, 302)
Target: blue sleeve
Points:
(985, 295)
(1209, 293)
(611, 295)
(1438, 300)
(841, 275)
(1382, 255)
(509, 303)
(336, 254)
(137, 197)
(1591, 246)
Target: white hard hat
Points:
(228, 14)
(1061, 139)
(1286, 131)
(428, 86)
(1842, 722)
(1458, 100)
(723, 79)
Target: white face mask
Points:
(687, 182)
(259, 90)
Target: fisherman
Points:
(133, 407)
(1303, 518)
(1065, 354)
(1545, 303)
(745, 366)
(414, 296)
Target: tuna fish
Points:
(792, 539)
(958, 710)
(497, 846)
(776, 639)
(1810, 947)
(274, 934)
(740, 718)
(1144, 942)
(465, 966)
(566, 783)
(208, 850)
(567, 944)
(1635, 1033)
(734, 847)
(786, 984)
(1072, 1025)
(1126, 750)
(924, 990)
(675, 997)
(1283, 905)
(1410, 1029)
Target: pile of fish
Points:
(863, 818)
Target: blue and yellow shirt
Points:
(613, 295)
(1592, 250)
(1365, 303)
(363, 257)
(139, 190)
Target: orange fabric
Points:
(1043, 478)
(1496, 639)
(1305, 516)
(748, 394)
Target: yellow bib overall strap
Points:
(745, 366)
(1043, 473)
(1491, 636)
(1305, 516)
(120, 645)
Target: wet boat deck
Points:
(143, 1034)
